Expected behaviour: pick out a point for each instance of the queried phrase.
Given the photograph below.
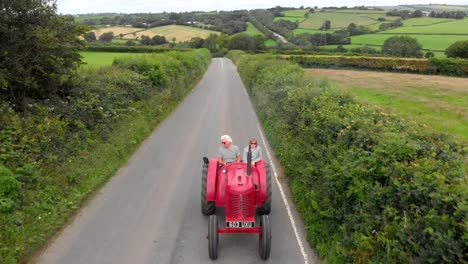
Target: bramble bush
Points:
(61, 149)
(372, 187)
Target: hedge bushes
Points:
(132, 49)
(62, 149)
(371, 187)
(454, 67)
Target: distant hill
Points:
(429, 8)
(435, 26)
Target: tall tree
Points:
(90, 36)
(38, 49)
(458, 49)
(402, 46)
(106, 37)
(210, 43)
(326, 25)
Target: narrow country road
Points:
(150, 211)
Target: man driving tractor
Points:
(228, 152)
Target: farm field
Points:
(435, 7)
(82, 18)
(339, 20)
(270, 43)
(180, 33)
(425, 21)
(351, 46)
(298, 31)
(458, 26)
(98, 59)
(432, 42)
(362, 12)
(293, 15)
(437, 54)
(116, 30)
(123, 41)
(443, 7)
(252, 30)
(437, 101)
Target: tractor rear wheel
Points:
(265, 238)
(213, 237)
(207, 208)
(266, 207)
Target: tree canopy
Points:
(402, 46)
(458, 49)
(38, 49)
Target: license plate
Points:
(239, 224)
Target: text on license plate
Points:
(239, 224)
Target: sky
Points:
(159, 6)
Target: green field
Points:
(252, 30)
(298, 31)
(459, 26)
(425, 21)
(98, 59)
(340, 20)
(270, 43)
(123, 41)
(437, 101)
(82, 18)
(293, 15)
(360, 12)
(432, 42)
(437, 54)
(348, 47)
(444, 7)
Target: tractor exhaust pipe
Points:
(249, 161)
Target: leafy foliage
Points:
(10, 190)
(448, 14)
(320, 39)
(50, 155)
(90, 36)
(455, 67)
(106, 37)
(156, 40)
(371, 187)
(389, 25)
(245, 42)
(402, 46)
(38, 49)
(458, 49)
(228, 22)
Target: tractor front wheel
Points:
(213, 237)
(265, 238)
(207, 208)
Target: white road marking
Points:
(286, 203)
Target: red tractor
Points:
(243, 190)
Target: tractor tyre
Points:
(213, 237)
(207, 208)
(265, 238)
(266, 207)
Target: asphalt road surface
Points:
(149, 212)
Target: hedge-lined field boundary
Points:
(61, 150)
(372, 188)
(132, 49)
(452, 67)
